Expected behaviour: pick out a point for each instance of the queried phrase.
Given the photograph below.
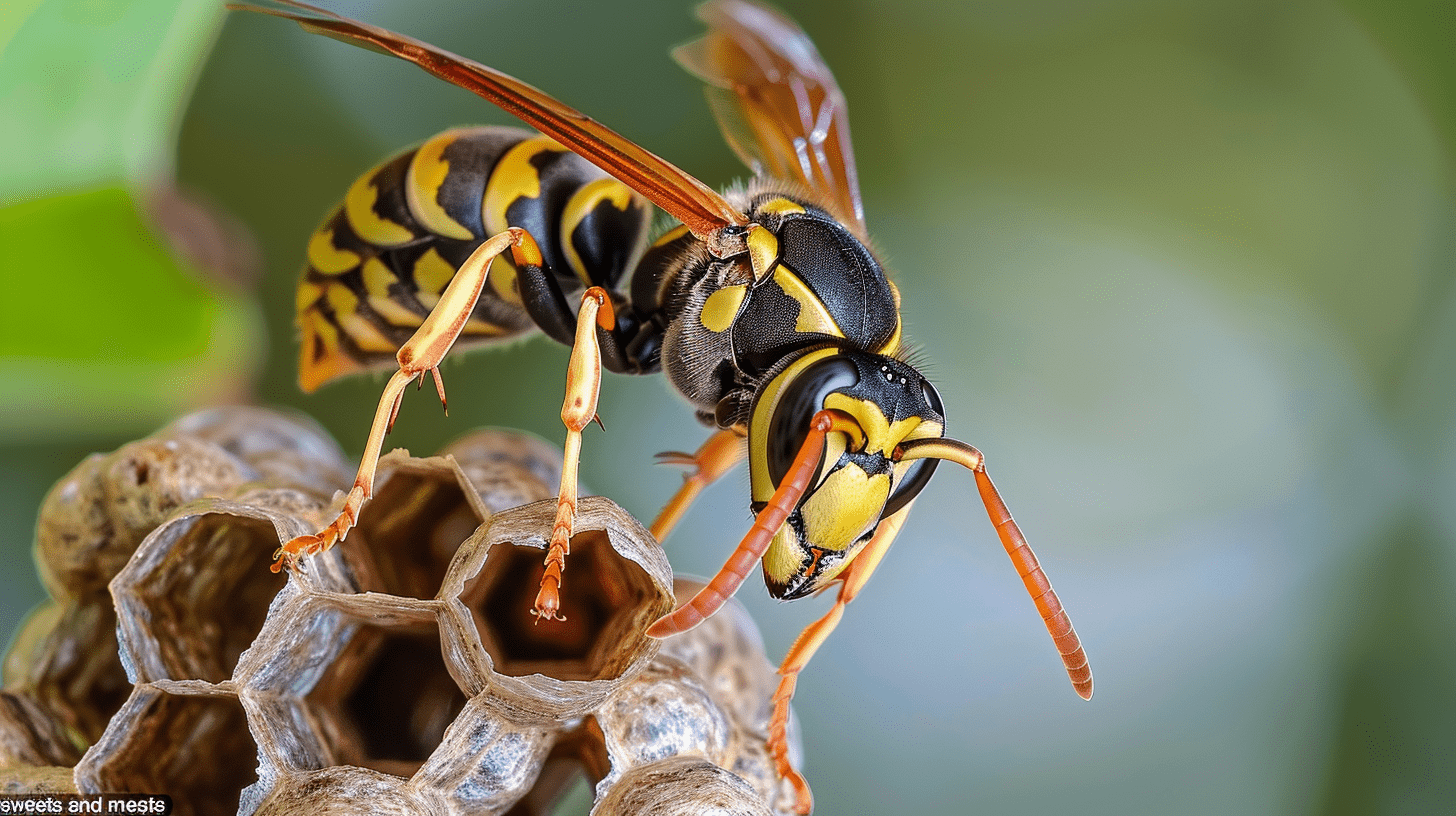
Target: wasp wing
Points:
(777, 102)
(682, 196)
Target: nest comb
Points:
(400, 673)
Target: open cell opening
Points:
(390, 697)
(412, 528)
(602, 598)
(206, 599)
(195, 749)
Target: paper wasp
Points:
(765, 309)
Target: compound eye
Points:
(915, 479)
(932, 397)
(801, 399)
(920, 471)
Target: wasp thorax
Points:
(859, 480)
(796, 278)
(813, 281)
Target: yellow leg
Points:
(583, 382)
(422, 353)
(854, 577)
(720, 454)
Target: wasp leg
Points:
(628, 346)
(422, 353)
(765, 526)
(583, 381)
(854, 578)
(720, 454)
(597, 338)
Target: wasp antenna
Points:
(1058, 624)
(765, 526)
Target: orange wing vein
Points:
(777, 102)
(693, 203)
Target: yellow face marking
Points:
(783, 557)
(364, 334)
(432, 273)
(925, 430)
(377, 280)
(782, 206)
(844, 507)
(582, 202)
(763, 250)
(881, 435)
(762, 487)
(813, 317)
(359, 209)
(327, 258)
(427, 171)
(721, 307)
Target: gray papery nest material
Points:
(400, 673)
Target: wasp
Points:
(765, 307)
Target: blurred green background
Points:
(1182, 270)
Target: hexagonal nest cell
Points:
(65, 660)
(606, 591)
(200, 599)
(391, 697)
(195, 747)
(422, 510)
(401, 671)
(93, 520)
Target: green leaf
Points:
(91, 91)
(101, 329)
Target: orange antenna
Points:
(1032, 575)
(765, 526)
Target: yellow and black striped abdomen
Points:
(379, 262)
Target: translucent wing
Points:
(776, 101)
(684, 197)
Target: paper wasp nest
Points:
(400, 673)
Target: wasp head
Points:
(859, 480)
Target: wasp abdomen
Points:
(379, 262)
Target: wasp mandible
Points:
(765, 308)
